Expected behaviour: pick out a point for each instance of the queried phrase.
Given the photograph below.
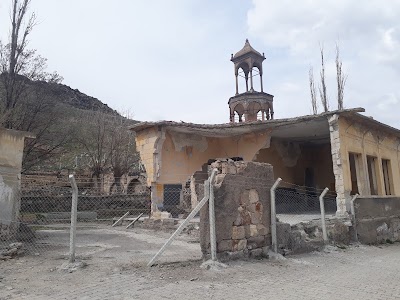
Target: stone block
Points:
(238, 232)
(240, 167)
(224, 245)
(265, 251)
(256, 253)
(251, 230)
(239, 245)
(253, 196)
(262, 230)
(216, 165)
(339, 233)
(224, 167)
(256, 218)
(252, 208)
(231, 169)
(238, 221)
(283, 231)
(256, 242)
(246, 217)
(219, 178)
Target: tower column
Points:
(251, 80)
(247, 81)
(261, 82)
(237, 84)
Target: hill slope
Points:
(60, 117)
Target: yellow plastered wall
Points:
(178, 166)
(357, 139)
(166, 165)
(11, 150)
(145, 144)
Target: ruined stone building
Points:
(343, 150)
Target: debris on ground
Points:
(11, 251)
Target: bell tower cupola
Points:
(250, 105)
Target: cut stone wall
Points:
(242, 210)
(377, 219)
(337, 165)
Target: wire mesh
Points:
(296, 204)
(112, 223)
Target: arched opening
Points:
(257, 78)
(238, 113)
(135, 187)
(242, 78)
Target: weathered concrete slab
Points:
(377, 219)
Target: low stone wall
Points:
(307, 236)
(377, 219)
(242, 210)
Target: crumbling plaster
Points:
(182, 154)
(11, 153)
(291, 165)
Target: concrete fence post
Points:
(322, 207)
(274, 241)
(74, 212)
(213, 239)
(353, 217)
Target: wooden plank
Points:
(134, 221)
(120, 219)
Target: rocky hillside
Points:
(64, 94)
(64, 121)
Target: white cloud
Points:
(170, 59)
(369, 39)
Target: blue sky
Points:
(171, 59)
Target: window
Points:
(353, 159)
(373, 182)
(387, 176)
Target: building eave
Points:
(234, 129)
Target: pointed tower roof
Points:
(247, 48)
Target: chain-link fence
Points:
(296, 204)
(44, 219)
(115, 225)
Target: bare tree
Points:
(340, 79)
(22, 104)
(93, 137)
(109, 146)
(313, 91)
(322, 87)
(18, 63)
(123, 155)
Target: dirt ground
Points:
(114, 269)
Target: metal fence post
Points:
(322, 207)
(353, 217)
(273, 216)
(74, 212)
(213, 239)
(184, 224)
